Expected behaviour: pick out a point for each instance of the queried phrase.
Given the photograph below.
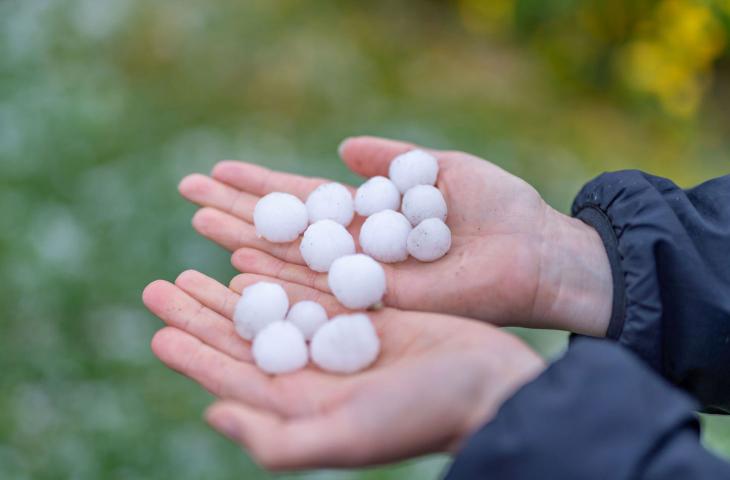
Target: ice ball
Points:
(422, 202)
(357, 281)
(260, 304)
(324, 242)
(412, 168)
(280, 217)
(430, 240)
(346, 344)
(280, 348)
(384, 235)
(376, 195)
(307, 316)
(331, 201)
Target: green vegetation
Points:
(106, 104)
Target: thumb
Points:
(371, 156)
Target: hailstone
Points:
(346, 344)
(375, 195)
(280, 217)
(430, 240)
(357, 281)
(260, 304)
(280, 348)
(324, 242)
(422, 202)
(383, 236)
(331, 201)
(412, 168)
(307, 316)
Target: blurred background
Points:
(106, 104)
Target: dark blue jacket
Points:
(624, 408)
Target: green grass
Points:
(106, 104)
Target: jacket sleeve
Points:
(669, 251)
(597, 413)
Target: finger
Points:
(254, 261)
(250, 260)
(232, 233)
(295, 292)
(207, 192)
(178, 309)
(209, 292)
(279, 444)
(260, 181)
(220, 374)
(371, 156)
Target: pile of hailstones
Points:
(347, 343)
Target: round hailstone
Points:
(422, 202)
(376, 195)
(307, 316)
(280, 348)
(430, 240)
(383, 236)
(346, 344)
(280, 217)
(357, 281)
(331, 201)
(324, 242)
(413, 168)
(260, 304)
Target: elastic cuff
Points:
(596, 218)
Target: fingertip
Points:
(192, 184)
(224, 169)
(188, 278)
(153, 294)
(222, 418)
(237, 282)
(201, 219)
(160, 341)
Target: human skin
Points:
(514, 259)
(437, 379)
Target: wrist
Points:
(575, 288)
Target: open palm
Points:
(502, 267)
(311, 418)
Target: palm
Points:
(201, 343)
(491, 272)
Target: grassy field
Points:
(106, 104)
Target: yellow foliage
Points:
(672, 55)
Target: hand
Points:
(437, 380)
(514, 259)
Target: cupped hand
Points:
(436, 380)
(514, 260)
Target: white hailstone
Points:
(422, 202)
(413, 168)
(376, 195)
(280, 217)
(280, 348)
(324, 242)
(384, 235)
(307, 316)
(430, 240)
(331, 201)
(346, 344)
(357, 281)
(260, 304)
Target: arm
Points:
(595, 413)
(669, 253)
